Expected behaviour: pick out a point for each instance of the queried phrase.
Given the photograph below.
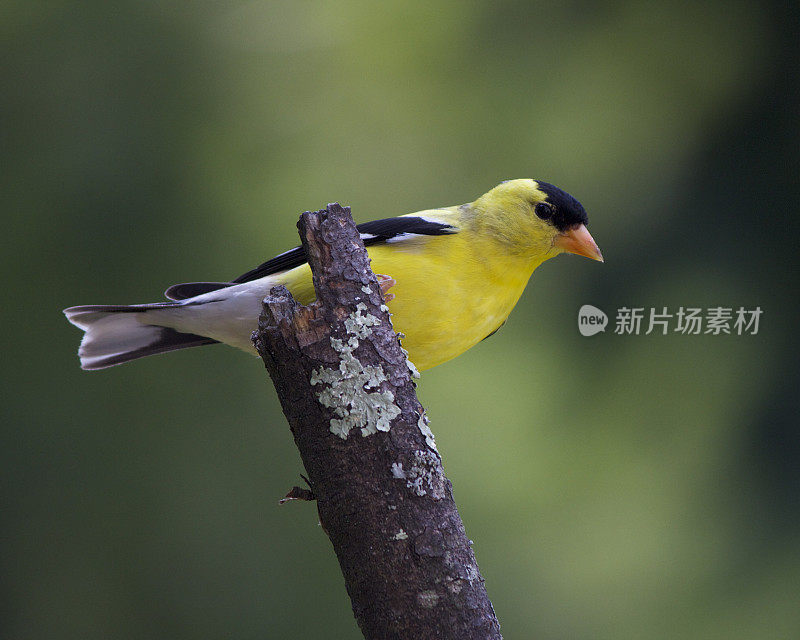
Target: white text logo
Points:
(693, 321)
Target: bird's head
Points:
(537, 218)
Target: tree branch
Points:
(346, 388)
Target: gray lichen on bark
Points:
(346, 391)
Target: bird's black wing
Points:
(372, 233)
(375, 232)
(286, 260)
(392, 228)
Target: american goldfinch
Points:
(457, 273)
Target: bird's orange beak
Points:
(579, 241)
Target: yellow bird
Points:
(456, 272)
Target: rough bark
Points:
(346, 388)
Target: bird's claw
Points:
(386, 283)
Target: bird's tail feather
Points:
(116, 334)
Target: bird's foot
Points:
(386, 283)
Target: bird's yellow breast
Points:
(451, 292)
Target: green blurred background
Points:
(615, 486)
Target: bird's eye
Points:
(543, 210)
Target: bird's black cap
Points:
(569, 212)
